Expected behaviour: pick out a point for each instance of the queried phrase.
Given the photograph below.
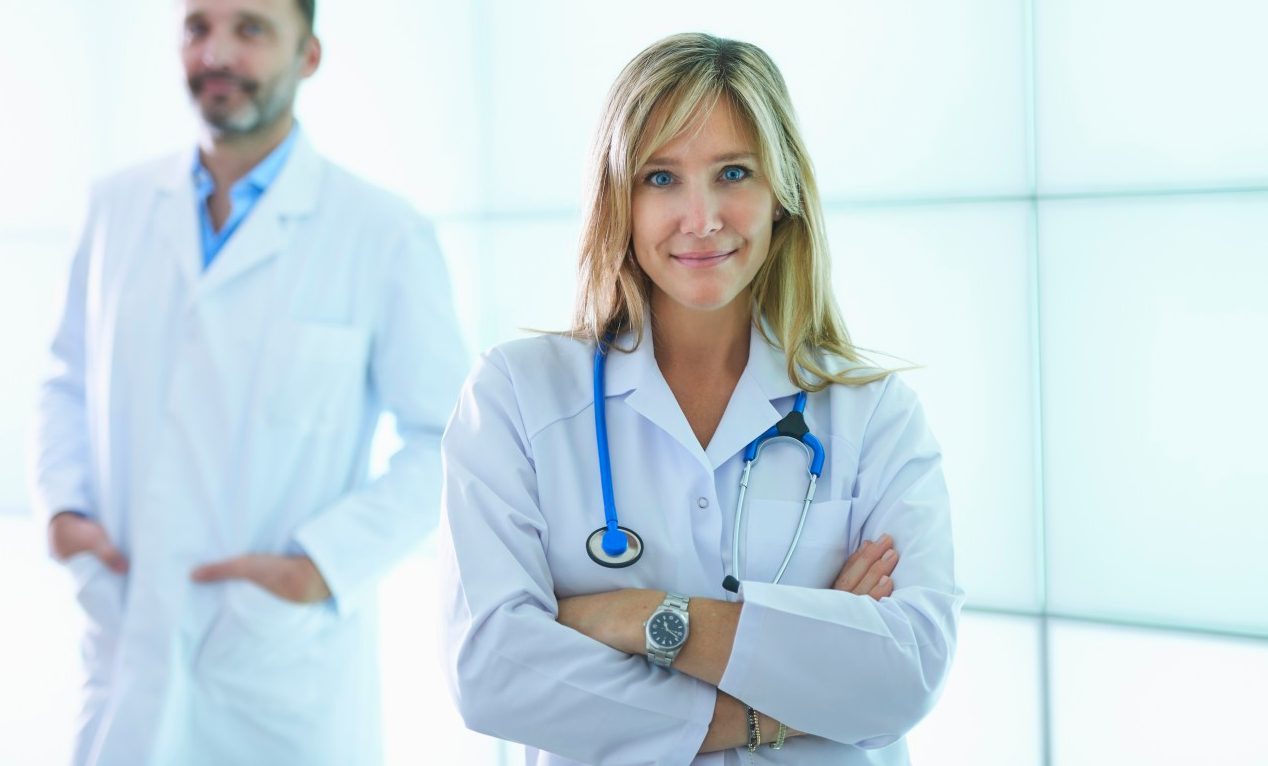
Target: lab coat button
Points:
(702, 502)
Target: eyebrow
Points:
(238, 17)
(721, 158)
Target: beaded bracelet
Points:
(779, 737)
(754, 730)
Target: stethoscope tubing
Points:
(613, 549)
(816, 453)
(613, 540)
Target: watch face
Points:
(667, 629)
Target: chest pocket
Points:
(821, 551)
(315, 375)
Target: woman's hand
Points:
(614, 618)
(867, 572)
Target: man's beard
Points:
(263, 108)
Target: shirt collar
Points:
(750, 410)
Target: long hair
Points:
(655, 98)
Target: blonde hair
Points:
(655, 98)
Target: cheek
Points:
(752, 219)
(190, 56)
(649, 225)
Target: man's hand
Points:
(70, 533)
(866, 573)
(290, 578)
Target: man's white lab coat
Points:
(200, 415)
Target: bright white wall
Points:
(1057, 207)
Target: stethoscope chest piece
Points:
(614, 555)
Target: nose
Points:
(216, 50)
(702, 214)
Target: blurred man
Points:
(236, 320)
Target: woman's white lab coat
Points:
(203, 415)
(522, 493)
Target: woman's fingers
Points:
(881, 568)
(884, 588)
(858, 564)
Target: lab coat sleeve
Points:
(59, 467)
(417, 364)
(514, 671)
(847, 667)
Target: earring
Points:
(779, 213)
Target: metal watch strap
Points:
(665, 657)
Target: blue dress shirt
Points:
(242, 195)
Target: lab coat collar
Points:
(264, 233)
(749, 412)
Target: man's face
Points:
(244, 60)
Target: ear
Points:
(779, 212)
(310, 52)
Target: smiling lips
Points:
(702, 259)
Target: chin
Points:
(707, 302)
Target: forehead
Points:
(272, 9)
(719, 128)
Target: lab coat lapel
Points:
(750, 411)
(650, 395)
(176, 218)
(266, 230)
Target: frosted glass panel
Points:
(33, 273)
(1132, 697)
(138, 101)
(395, 97)
(1140, 93)
(989, 714)
(1154, 319)
(420, 723)
(39, 649)
(43, 154)
(461, 244)
(895, 98)
(948, 288)
(514, 275)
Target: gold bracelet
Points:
(779, 737)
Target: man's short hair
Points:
(308, 9)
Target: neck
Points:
(229, 157)
(709, 343)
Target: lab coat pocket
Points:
(98, 589)
(821, 551)
(266, 652)
(314, 375)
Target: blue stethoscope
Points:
(615, 546)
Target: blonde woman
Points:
(671, 535)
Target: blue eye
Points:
(734, 173)
(660, 178)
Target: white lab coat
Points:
(522, 493)
(200, 415)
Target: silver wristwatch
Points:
(666, 630)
